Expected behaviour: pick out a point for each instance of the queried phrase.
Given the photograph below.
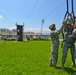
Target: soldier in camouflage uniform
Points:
(68, 43)
(74, 34)
(55, 44)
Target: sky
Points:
(32, 12)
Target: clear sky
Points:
(31, 12)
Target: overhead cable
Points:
(33, 8)
(54, 10)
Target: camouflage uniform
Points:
(54, 46)
(75, 54)
(74, 34)
(68, 43)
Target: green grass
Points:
(31, 58)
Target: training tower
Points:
(19, 32)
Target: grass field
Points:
(31, 58)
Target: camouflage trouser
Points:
(75, 55)
(54, 55)
(75, 50)
(65, 50)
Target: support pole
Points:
(42, 23)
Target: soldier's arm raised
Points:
(62, 27)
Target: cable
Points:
(5, 17)
(32, 9)
(54, 10)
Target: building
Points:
(6, 34)
(32, 35)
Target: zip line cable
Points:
(5, 17)
(54, 10)
(33, 8)
(28, 16)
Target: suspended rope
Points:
(67, 15)
(73, 11)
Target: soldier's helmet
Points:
(74, 33)
(51, 26)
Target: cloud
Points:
(1, 16)
(37, 30)
(10, 28)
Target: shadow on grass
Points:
(57, 67)
(70, 71)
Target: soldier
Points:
(74, 34)
(68, 43)
(74, 22)
(55, 44)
